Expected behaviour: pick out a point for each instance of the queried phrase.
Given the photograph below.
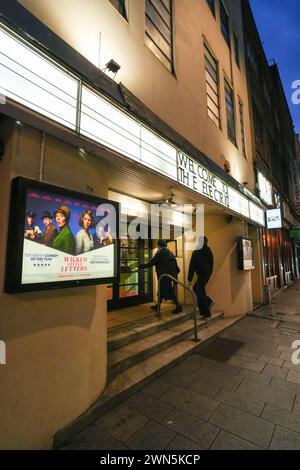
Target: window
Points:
(251, 57)
(241, 110)
(120, 5)
(236, 48)
(229, 99)
(224, 23)
(158, 30)
(211, 4)
(212, 86)
(258, 132)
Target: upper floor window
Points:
(159, 30)
(225, 23)
(212, 86)
(229, 98)
(251, 57)
(258, 131)
(242, 126)
(120, 5)
(236, 48)
(212, 6)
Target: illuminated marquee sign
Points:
(265, 189)
(196, 177)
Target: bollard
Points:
(267, 294)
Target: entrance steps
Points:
(140, 351)
(131, 346)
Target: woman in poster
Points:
(65, 240)
(83, 240)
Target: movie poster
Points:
(248, 254)
(66, 238)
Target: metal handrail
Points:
(188, 288)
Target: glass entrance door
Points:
(135, 286)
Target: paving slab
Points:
(285, 439)
(244, 425)
(157, 387)
(190, 402)
(255, 376)
(153, 436)
(148, 406)
(93, 438)
(285, 385)
(191, 427)
(276, 371)
(227, 441)
(267, 394)
(179, 443)
(121, 423)
(294, 376)
(282, 417)
(204, 388)
(241, 402)
(271, 360)
(246, 363)
(219, 378)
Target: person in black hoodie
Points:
(202, 263)
(165, 263)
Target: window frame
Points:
(121, 8)
(212, 6)
(151, 43)
(236, 48)
(208, 50)
(242, 126)
(224, 8)
(227, 83)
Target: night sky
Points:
(278, 23)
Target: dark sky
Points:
(278, 23)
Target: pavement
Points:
(240, 392)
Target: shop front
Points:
(278, 255)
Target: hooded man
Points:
(165, 263)
(202, 263)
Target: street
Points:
(240, 392)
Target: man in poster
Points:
(50, 232)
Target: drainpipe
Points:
(42, 156)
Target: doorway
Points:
(135, 285)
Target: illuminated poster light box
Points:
(59, 238)
(245, 254)
(274, 219)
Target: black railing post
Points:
(190, 289)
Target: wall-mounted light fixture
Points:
(82, 153)
(227, 166)
(229, 219)
(112, 67)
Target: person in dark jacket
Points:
(165, 263)
(202, 263)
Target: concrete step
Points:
(133, 331)
(139, 350)
(133, 379)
